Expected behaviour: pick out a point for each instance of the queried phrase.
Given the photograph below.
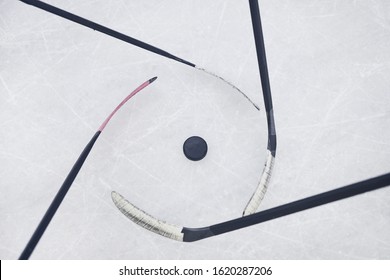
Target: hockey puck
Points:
(195, 148)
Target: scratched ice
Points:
(329, 66)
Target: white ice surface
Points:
(329, 64)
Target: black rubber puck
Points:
(195, 148)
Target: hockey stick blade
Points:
(194, 234)
(258, 195)
(123, 37)
(44, 223)
(145, 220)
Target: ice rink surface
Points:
(329, 66)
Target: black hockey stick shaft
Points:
(98, 27)
(289, 208)
(194, 234)
(71, 177)
(263, 68)
(306, 203)
(57, 200)
(123, 37)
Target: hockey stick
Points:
(110, 32)
(259, 193)
(148, 222)
(70, 178)
(194, 234)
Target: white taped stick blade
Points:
(230, 84)
(261, 189)
(145, 220)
